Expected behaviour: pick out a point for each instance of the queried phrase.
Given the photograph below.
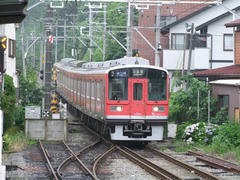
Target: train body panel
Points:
(131, 100)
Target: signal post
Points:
(3, 46)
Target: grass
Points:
(228, 153)
(15, 141)
(180, 146)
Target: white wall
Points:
(206, 15)
(173, 59)
(217, 29)
(10, 63)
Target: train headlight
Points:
(116, 108)
(158, 108)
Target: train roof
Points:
(77, 66)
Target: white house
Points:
(213, 42)
(8, 30)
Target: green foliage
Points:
(20, 116)
(30, 93)
(114, 50)
(200, 133)
(220, 117)
(16, 141)
(180, 130)
(6, 142)
(8, 101)
(181, 146)
(229, 135)
(183, 103)
(222, 139)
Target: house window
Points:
(11, 48)
(199, 40)
(178, 41)
(223, 101)
(227, 42)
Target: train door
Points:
(138, 92)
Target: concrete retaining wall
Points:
(46, 129)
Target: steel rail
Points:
(72, 158)
(216, 162)
(131, 157)
(49, 166)
(148, 165)
(101, 158)
(80, 162)
(189, 167)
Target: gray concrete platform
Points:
(46, 129)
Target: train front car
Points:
(137, 102)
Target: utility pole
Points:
(184, 52)
(56, 41)
(64, 40)
(48, 61)
(23, 53)
(41, 53)
(104, 31)
(158, 45)
(190, 49)
(34, 48)
(90, 32)
(129, 30)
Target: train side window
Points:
(68, 82)
(88, 88)
(62, 80)
(98, 90)
(93, 89)
(101, 95)
(79, 90)
(83, 90)
(75, 90)
(73, 84)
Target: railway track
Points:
(90, 159)
(216, 162)
(149, 166)
(48, 164)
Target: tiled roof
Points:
(233, 70)
(228, 82)
(233, 23)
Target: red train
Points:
(124, 98)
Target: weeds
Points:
(16, 142)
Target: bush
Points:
(183, 104)
(229, 135)
(221, 116)
(200, 133)
(16, 141)
(8, 103)
(180, 130)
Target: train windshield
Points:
(118, 83)
(157, 85)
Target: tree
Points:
(8, 101)
(183, 103)
(30, 93)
